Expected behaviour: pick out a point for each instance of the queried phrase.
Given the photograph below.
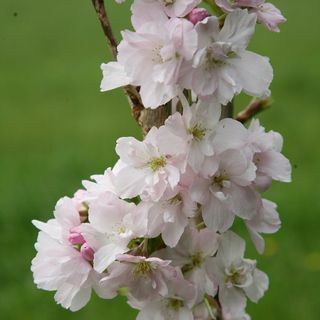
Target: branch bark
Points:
(227, 110)
(146, 118)
(255, 107)
(130, 91)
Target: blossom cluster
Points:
(176, 46)
(157, 226)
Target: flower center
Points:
(233, 276)
(197, 259)
(157, 163)
(142, 268)
(239, 275)
(121, 230)
(168, 2)
(176, 199)
(197, 132)
(219, 179)
(174, 304)
(217, 54)
(211, 61)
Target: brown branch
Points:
(227, 110)
(130, 91)
(106, 26)
(255, 107)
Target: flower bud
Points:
(75, 237)
(87, 252)
(197, 15)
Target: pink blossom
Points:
(170, 216)
(270, 162)
(266, 221)
(145, 278)
(154, 166)
(222, 67)
(111, 228)
(151, 58)
(195, 128)
(59, 265)
(146, 11)
(191, 253)
(225, 189)
(237, 277)
(179, 8)
(263, 147)
(176, 304)
(267, 13)
(103, 183)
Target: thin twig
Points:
(106, 26)
(130, 91)
(255, 106)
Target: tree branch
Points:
(130, 91)
(255, 107)
(106, 26)
(227, 110)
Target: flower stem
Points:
(206, 301)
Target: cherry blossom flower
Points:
(176, 304)
(151, 58)
(103, 183)
(264, 148)
(222, 67)
(270, 162)
(145, 279)
(111, 228)
(190, 254)
(152, 165)
(149, 10)
(60, 265)
(196, 129)
(236, 277)
(266, 12)
(225, 189)
(179, 8)
(170, 216)
(266, 221)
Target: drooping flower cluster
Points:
(157, 225)
(166, 54)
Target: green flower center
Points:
(176, 199)
(219, 179)
(197, 259)
(175, 304)
(157, 163)
(142, 268)
(197, 132)
(168, 2)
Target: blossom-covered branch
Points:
(157, 226)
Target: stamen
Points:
(157, 163)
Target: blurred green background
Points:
(57, 129)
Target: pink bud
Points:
(87, 252)
(75, 237)
(197, 15)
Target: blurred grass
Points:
(56, 129)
